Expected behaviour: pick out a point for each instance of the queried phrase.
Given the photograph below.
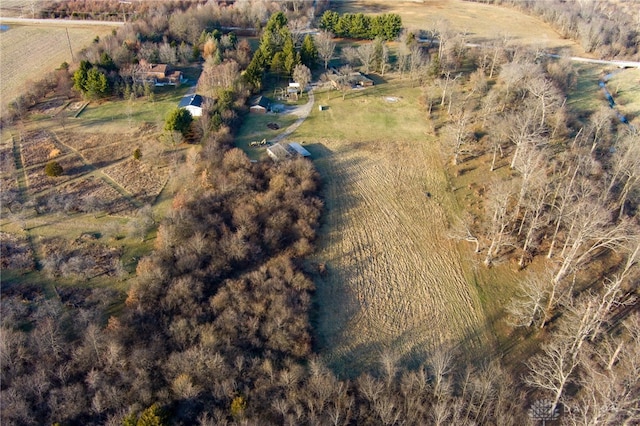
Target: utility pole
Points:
(69, 41)
(124, 14)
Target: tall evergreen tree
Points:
(308, 52)
(291, 57)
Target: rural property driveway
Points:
(302, 112)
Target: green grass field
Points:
(625, 88)
(254, 128)
(116, 115)
(587, 96)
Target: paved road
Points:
(64, 22)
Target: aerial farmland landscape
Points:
(319, 212)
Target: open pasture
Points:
(29, 52)
(481, 22)
(394, 280)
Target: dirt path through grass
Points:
(302, 112)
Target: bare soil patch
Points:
(75, 106)
(50, 107)
(140, 179)
(15, 252)
(38, 148)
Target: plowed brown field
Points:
(28, 53)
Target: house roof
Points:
(278, 151)
(284, 150)
(191, 100)
(299, 149)
(160, 68)
(262, 101)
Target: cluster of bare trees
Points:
(570, 198)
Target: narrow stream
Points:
(609, 97)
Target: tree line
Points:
(568, 200)
(358, 25)
(608, 29)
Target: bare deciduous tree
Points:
(625, 176)
(552, 370)
(366, 53)
(302, 76)
(590, 231)
(528, 308)
(457, 133)
(498, 210)
(326, 46)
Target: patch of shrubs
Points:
(53, 169)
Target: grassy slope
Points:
(27, 53)
(395, 281)
(625, 88)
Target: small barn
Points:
(283, 151)
(299, 149)
(260, 105)
(193, 104)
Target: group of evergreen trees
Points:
(91, 80)
(358, 25)
(278, 53)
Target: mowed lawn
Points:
(28, 53)
(395, 282)
(122, 115)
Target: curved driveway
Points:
(302, 112)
